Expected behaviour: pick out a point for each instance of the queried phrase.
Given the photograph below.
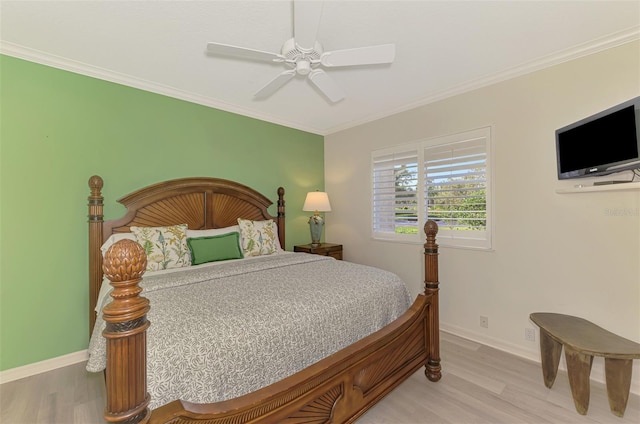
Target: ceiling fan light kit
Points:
(307, 61)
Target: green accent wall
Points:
(57, 129)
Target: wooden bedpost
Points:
(431, 283)
(126, 335)
(95, 241)
(280, 216)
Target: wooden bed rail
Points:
(340, 388)
(96, 219)
(431, 288)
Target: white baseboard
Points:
(533, 354)
(43, 366)
(597, 372)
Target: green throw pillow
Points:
(214, 248)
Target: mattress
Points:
(222, 330)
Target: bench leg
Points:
(579, 369)
(550, 351)
(618, 374)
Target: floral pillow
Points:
(166, 247)
(113, 239)
(258, 237)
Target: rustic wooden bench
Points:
(582, 340)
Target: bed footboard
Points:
(433, 369)
(338, 389)
(126, 334)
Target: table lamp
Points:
(316, 201)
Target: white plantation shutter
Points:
(456, 188)
(455, 177)
(395, 194)
(451, 186)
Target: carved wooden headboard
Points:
(200, 202)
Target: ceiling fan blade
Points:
(273, 85)
(227, 50)
(372, 55)
(306, 15)
(327, 85)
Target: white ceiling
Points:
(442, 48)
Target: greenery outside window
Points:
(446, 179)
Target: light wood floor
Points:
(479, 385)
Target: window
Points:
(395, 194)
(446, 179)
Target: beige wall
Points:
(577, 254)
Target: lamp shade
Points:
(317, 201)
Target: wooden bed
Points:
(337, 389)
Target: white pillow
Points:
(226, 230)
(212, 232)
(114, 238)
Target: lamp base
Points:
(316, 224)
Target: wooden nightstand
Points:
(324, 249)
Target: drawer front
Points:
(335, 253)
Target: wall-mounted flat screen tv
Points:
(600, 144)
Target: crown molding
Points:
(585, 49)
(581, 50)
(43, 58)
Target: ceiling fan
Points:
(304, 55)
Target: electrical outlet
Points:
(530, 334)
(484, 322)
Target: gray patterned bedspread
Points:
(223, 331)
